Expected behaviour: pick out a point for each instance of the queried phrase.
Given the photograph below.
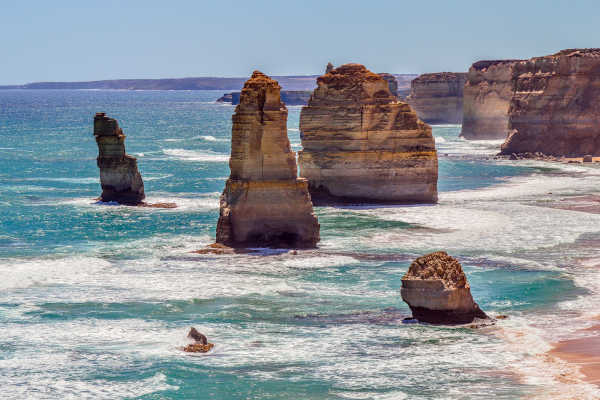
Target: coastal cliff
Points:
(360, 144)
(555, 108)
(264, 202)
(119, 176)
(438, 98)
(486, 98)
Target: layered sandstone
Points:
(438, 98)
(119, 176)
(436, 290)
(555, 108)
(360, 144)
(392, 82)
(486, 98)
(264, 202)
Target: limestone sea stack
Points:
(486, 98)
(436, 290)
(119, 176)
(555, 108)
(438, 98)
(360, 144)
(264, 202)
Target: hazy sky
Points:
(88, 40)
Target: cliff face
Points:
(555, 108)
(119, 175)
(264, 202)
(487, 95)
(361, 144)
(438, 98)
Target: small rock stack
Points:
(436, 290)
(264, 202)
(119, 176)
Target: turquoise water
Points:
(96, 300)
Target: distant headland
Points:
(290, 82)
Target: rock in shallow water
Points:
(119, 176)
(264, 202)
(436, 290)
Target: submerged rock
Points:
(119, 176)
(555, 108)
(264, 202)
(436, 290)
(486, 99)
(360, 144)
(438, 98)
(201, 344)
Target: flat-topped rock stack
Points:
(486, 98)
(555, 108)
(436, 290)
(360, 144)
(119, 176)
(438, 98)
(264, 202)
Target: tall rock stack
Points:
(264, 202)
(438, 98)
(362, 145)
(555, 108)
(119, 176)
(487, 96)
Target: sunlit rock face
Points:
(555, 107)
(436, 290)
(486, 98)
(360, 144)
(119, 176)
(264, 202)
(438, 98)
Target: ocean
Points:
(96, 299)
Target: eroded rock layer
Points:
(555, 108)
(486, 98)
(436, 290)
(392, 82)
(119, 176)
(438, 98)
(264, 202)
(360, 144)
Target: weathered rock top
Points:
(105, 126)
(485, 64)
(593, 52)
(439, 77)
(353, 84)
(262, 93)
(438, 266)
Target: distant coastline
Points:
(291, 82)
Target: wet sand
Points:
(582, 352)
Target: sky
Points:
(93, 40)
